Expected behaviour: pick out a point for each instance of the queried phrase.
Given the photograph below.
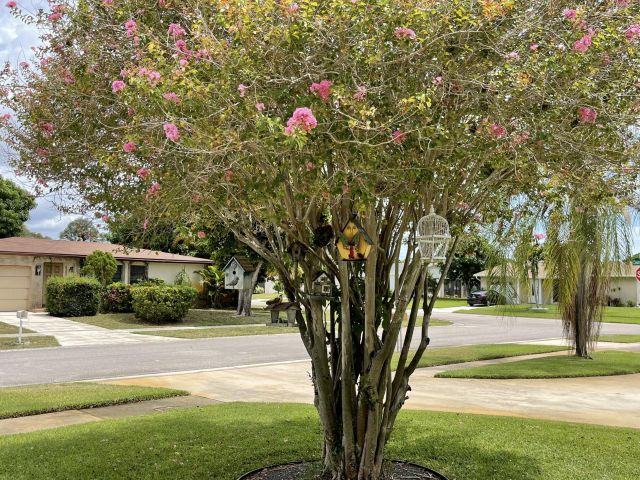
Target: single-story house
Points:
(624, 285)
(27, 263)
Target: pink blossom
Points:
(154, 77)
(310, 166)
(398, 136)
(196, 198)
(632, 32)
(11, 4)
(24, 65)
(404, 32)
(584, 43)
(171, 132)
(302, 119)
(293, 8)
(54, 17)
(143, 173)
(68, 77)
(623, 3)
(570, 13)
(131, 27)
(497, 131)
(182, 46)
(228, 175)
(260, 106)
(129, 147)
(107, 3)
(587, 115)
(172, 97)
(131, 111)
(46, 127)
(462, 206)
(242, 88)
(176, 30)
(534, 47)
(105, 218)
(322, 89)
(360, 93)
(43, 152)
(437, 81)
(183, 62)
(538, 236)
(145, 224)
(153, 189)
(117, 85)
(201, 234)
(5, 117)
(58, 9)
(512, 56)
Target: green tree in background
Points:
(15, 204)
(100, 265)
(81, 230)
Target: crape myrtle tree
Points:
(284, 120)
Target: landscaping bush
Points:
(162, 303)
(183, 278)
(150, 282)
(116, 298)
(73, 296)
(101, 265)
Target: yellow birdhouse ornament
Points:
(353, 242)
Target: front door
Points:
(51, 269)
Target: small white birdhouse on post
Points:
(238, 273)
(433, 238)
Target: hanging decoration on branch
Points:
(433, 237)
(353, 242)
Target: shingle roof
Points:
(41, 247)
(244, 262)
(622, 271)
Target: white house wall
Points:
(625, 289)
(169, 271)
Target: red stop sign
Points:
(638, 274)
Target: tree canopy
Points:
(81, 230)
(15, 204)
(285, 120)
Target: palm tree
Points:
(213, 281)
(584, 247)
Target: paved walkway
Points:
(46, 421)
(70, 333)
(611, 400)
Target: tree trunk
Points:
(244, 296)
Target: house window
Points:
(118, 276)
(137, 273)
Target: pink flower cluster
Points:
(584, 43)
(129, 147)
(538, 236)
(11, 4)
(242, 88)
(172, 97)
(117, 86)
(143, 173)
(292, 8)
(570, 13)
(260, 106)
(107, 3)
(57, 12)
(360, 93)
(404, 32)
(46, 127)
(171, 132)
(322, 89)
(175, 30)
(632, 32)
(302, 119)
(497, 131)
(152, 76)
(398, 136)
(131, 26)
(587, 115)
(201, 234)
(153, 189)
(5, 117)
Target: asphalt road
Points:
(106, 361)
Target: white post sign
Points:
(22, 315)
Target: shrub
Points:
(162, 303)
(615, 302)
(182, 278)
(73, 296)
(100, 265)
(116, 298)
(631, 303)
(150, 282)
(258, 290)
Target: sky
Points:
(16, 40)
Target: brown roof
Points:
(244, 262)
(623, 270)
(40, 247)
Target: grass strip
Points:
(224, 441)
(56, 397)
(39, 341)
(570, 366)
(620, 338)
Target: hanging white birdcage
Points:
(433, 237)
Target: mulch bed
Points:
(309, 471)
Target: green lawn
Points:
(433, 323)
(263, 296)
(39, 341)
(34, 399)
(223, 441)
(221, 332)
(471, 353)
(619, 338)
(5, 328)
(602, 364)
(195, 318)
(611, 314)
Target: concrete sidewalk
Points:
(69, 333)
(32, 423)
(611, 400)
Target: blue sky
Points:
(16, 40)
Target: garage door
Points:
(14, 287)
